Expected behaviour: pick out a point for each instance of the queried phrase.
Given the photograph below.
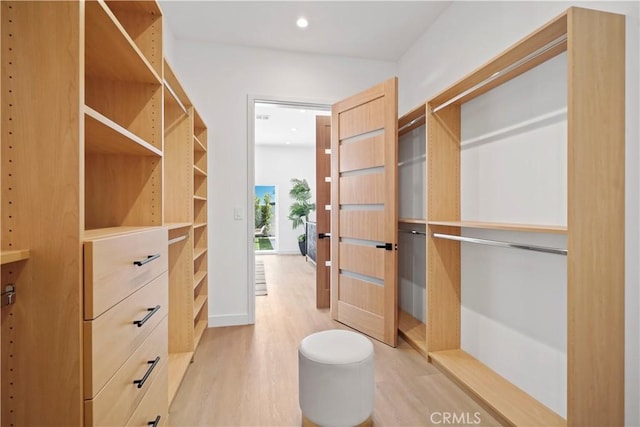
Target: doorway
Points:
(281, 151)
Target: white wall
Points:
(465, 36)
(276, 165)
(219, 80)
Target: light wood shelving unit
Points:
(185, 163)
(82, 162)
(595, 233)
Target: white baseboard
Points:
(229, 320)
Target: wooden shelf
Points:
(103, 135)
(109, 51)
(178, 364)
(413, 331)
(148, 7)
(199, 224)
(412, 221)
(198, 123)
(533, 228)
(100, 233)
(412, 120)
(200, 327)
(508, 403)
(171, 79)
(198, 146)
(200, 198)
(176, 225)
(198, 171)
(198, 303)
(198, 252)
(198, 278)
(14, 256)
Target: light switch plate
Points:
(238, 214)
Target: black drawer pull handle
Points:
(155, 422)
(151, 311)
(149, 258)
(142, 380)
(324, 235)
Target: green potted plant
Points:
(300, 209)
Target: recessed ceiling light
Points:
(302, 22)
(303, 111)
(294, 130)
(288, 142)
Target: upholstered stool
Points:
(335, 373)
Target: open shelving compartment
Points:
(411, 225)
(200, 194)
(122, 117)
(594, 42)
(185, 215)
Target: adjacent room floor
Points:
(248, 375)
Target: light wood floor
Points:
(248, 375)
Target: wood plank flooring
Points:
(248, 375)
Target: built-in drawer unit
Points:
(153, 410)
(116, 402)
(116, 266)
(110, 339)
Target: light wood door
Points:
(323, 217)
(364, 211)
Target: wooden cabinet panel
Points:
(111, 338)
(117, 401)
(116, 266)
(154, 404)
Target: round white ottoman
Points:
(335, 374)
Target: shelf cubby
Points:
(198, 278)
(103, 135)
(109, 51)
(413, 331)
(506, 402)
(177, 368)
(143, 23)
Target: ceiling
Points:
(286, 125)
(381, 30)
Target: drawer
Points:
(116, 402)
(111, 338)
(154, 404)
(114, 267)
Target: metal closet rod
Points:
(412, 122)
(500, 244)
(178, 239)
(180, 104)
(413, 232)
(530, 57)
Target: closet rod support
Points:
(178, 239)
(173, 94)
(533, 55)
(416, 232)
(500, 244)
(412, 122)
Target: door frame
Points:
(251, 178)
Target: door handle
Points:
(387, 246)
(324, 235)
